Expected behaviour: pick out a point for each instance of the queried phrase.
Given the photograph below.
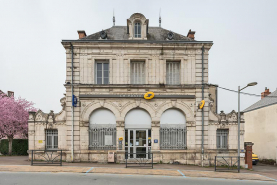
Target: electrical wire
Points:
(249, 94)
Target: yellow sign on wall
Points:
(120, 139)
(40, 141)
(149, 95)
(201, 104)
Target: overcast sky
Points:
(33, 60)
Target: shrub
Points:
(268, 161)
(19, 147)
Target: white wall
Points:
(261, 129)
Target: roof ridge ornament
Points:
(113, 18)
(160, 19)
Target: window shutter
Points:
(173, 73)
(137, 73)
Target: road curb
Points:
(132, 171)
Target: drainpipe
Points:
(72, 107)
(202, 143)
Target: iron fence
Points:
(102, 137)
(226, 163)
(173, 137)
(46, 157)
(139, 160)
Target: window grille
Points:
(51, 139)
(137, 30)
(102, 137)
(173, 73)
(222, 138)
(102, 72)
(173, 137)
(137, 73)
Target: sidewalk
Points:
(20, 164)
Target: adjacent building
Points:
(136, 89)
(261, 125)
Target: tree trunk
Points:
(10, 139)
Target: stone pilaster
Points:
(155, 135)
(120, 132)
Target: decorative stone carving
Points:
(242, 132)
(190, 124)
(83, 104)
(39, 117)
(84, 123)
(173, 103)
(63, 103)
(31, 132)
(138, 102)
(102, 102)
(51, 117)
(222, 117)
(232, 116)
(31, 117)
(155, 124)
(120, 124)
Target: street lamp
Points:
(239, 89)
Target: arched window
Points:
(173, 130)
(137, 118)
(102, 117)
(102, 130)
(173, 117)
(137, 30)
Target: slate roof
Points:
(120, 33)
(265, 102)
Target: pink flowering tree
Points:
(14, 118)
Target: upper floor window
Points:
(137, 30)
(173, 73)
(222, 138)
(102, 72)
(137, 73)
(51, 139)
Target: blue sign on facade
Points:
(74, 101)
(155, 141)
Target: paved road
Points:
(23, 178)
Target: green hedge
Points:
(20, 147)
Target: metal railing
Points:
(226, 163)
(46, 157)
(173, 137)
(139, 160)
(102, 137)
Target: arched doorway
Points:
(173, 130)
(102, 130)
(138, 133)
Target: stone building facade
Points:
(115, 74)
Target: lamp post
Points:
(239, 89)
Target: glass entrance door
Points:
(138, 143)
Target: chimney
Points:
(10, 94)
(82, 34)
(265, 93)
(191, 34)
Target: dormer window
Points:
(137, 30)
(137, 27)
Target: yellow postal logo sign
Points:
(148, 95)
(201, 104)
